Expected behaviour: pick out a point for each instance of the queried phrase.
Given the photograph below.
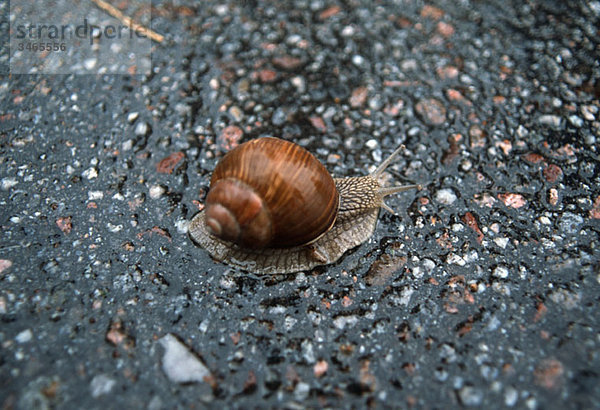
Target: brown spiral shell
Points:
(270, 193)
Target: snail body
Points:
(272, 207)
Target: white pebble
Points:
(114, 228)
(576, 121)
(428, 265)
(90, 173)
(348, 31)
(456, 260)
(181, 225)
(101, 384)
(458, 227)
(501, 242)
(179, 364)
(95, 195)
(358, 60)
(550, 120)
(299, 83)
(372, 144)
(90, 63)
(301, 391)
(142, 129)
(156, 191)
(501, 272)
(8, 183)
(24, 336)
(132, 116)
(445, 196)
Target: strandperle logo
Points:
(69, 32)
(89, 37)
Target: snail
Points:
(273, 207)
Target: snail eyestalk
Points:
(390, 190)
(377, 173)
(385, 191)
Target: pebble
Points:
(454, 259)
(101, 384)
(132, 116)
(8, 183)
(431, 111)
(230, 137)
(445, 196)
(236, 113)
(511, 395)
(90, 63)
(358, 97)
(588, 112)
(299, 83)
(576, 121)
(5, 264)
(501, 242)
(358, 60)
(553, 121)
(95, 195)
(90, 173)
(127, 145)
(372, 144)
(156, 191)
(279, 116)
(301, 391)
(500, 272)
(182, 109)
(24, 336)
(470, 396)
(341, 321)
(179, 364)
(570, 223)
(143, 129)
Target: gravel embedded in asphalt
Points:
(482, 291)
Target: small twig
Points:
(116, 13)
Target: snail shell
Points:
(269, 192)
(273, 208)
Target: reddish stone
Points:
(432, 12)
(230, 137)
(448, 71)
(329, 12)
(431, 111)
(384, 269)
(267, 76)
(471, 222)
(287, 62)
(318, 123)
(478, 136)
(549, 374)
(168, 164)
(533, 158)
(358, 97)
(320, 368)
(512, 200)
(445, 29)
(553, 173)
(540, 312)
(595, 211)
(64, 224)
(250, 383)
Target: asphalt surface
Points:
(483, 291)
